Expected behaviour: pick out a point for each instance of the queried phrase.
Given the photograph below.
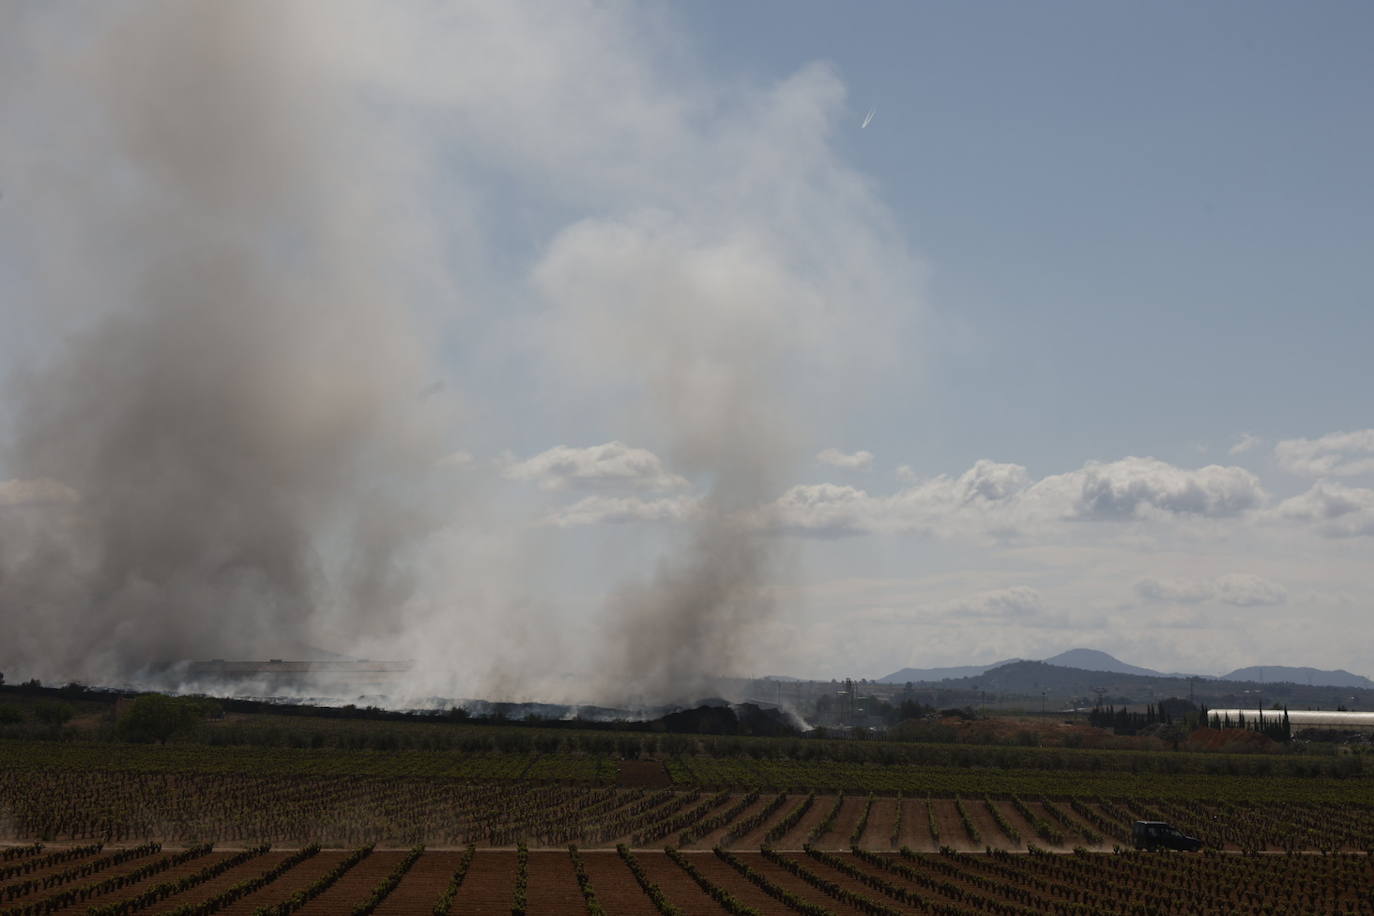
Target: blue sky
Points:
(1171, 201)
(614, 342)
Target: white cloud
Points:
(1134, 486)
(601, 510)
(1245, 443)
(907, 474)
(825, 510)
(1238, 589)
(1335, 510)
(1334, 455)
(612, 466)
(856, 461)
(1175, 591)
(1000, 499)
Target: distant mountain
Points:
(1093, 660)
(1273, 674)
(915, 675)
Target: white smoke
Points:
(239, 243)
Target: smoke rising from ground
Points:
(237, 377)
(245, 240)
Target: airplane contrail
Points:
(868, 117)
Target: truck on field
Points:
(1162, 835)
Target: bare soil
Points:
(355, 886)
(57, 868)
(798, 886)
(712, 839)
(881, 821)
(553, 883)
(837, 837)
(489, 887)
(643, 774)
(795, 837)
(298, 878)
(675, 884)
(419, 890)
(129, 890)
(754, 838)
(616, 888)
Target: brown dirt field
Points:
(1070, 840)
(795, 837)
(896, 880)
(643, 774)
(303, 875)
(916, 826)
(1074, 836)
(355, 886)
(250, 869)
(710, 840)
(489, 887)
(616, 888)
(790, 882)
(992, 834)
(951, 827)
(837, 837)
(422, 885)
(881, 821)
(754, 838)
(130, 890)
(58, 868)
(553, 883)
(722, 875)
(681, 891)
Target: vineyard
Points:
(123, 806)
(260, 881)
(111, 829)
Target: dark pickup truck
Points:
(1159, 835)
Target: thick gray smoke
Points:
(235, 239)
(235, 391)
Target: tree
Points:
(154, 717)
(54, 713)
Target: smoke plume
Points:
(240, 242)
(233, 391)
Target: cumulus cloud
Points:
(1240, 590)
(1335, 510)
(612, 466)
(1001, 498)
(1133, 486)
(1245, 443)
(856, 461)
(1333, 455)
(825, 510)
